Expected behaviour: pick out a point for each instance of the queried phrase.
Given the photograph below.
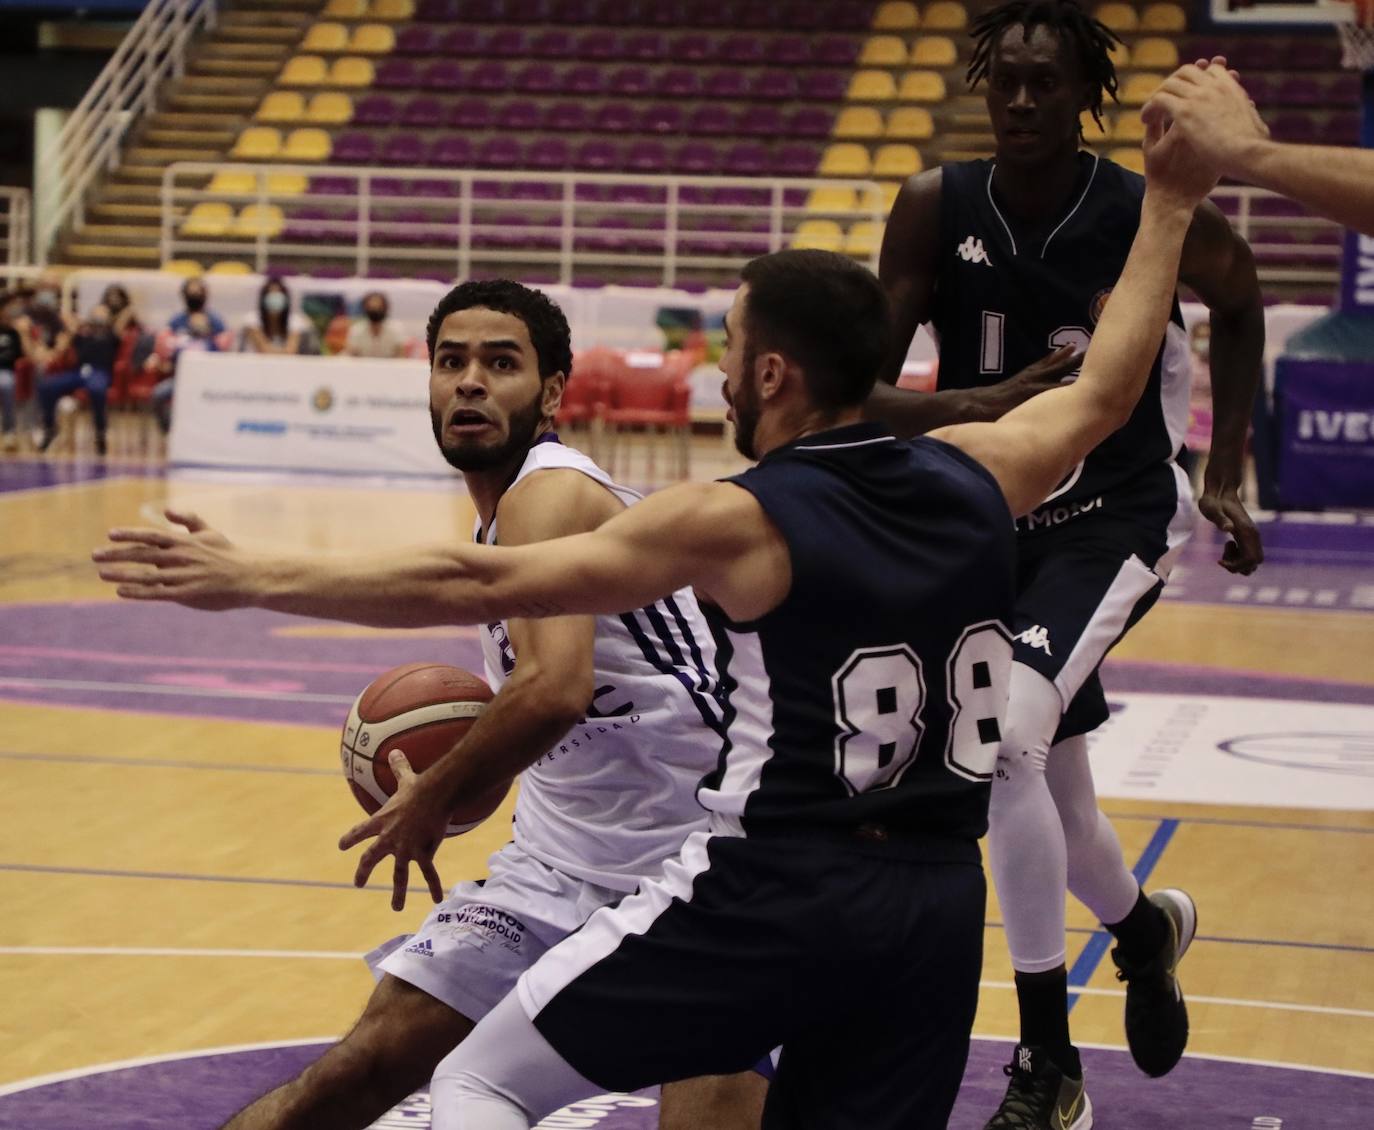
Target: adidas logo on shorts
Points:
(424, 949)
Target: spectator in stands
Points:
(277, 328)
(11, 350)
(123, 316)
(377, 335)
(95, 344)
(48, 333)
(195, 328)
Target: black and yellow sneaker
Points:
(1040, 1096)
(1156, 1015)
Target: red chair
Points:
(650, 391)
(585, 397)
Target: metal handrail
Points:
(153, 53)
(16, 225)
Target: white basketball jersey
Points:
(617, 795)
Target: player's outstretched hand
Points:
(1244, 551)
(1206, 105)
(1175, 169)
(1040, 376)
(195, 565)
(410, 827)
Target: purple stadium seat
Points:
(1305, 54)
(583, 80)
(417, 39)
(470, 114)
(552, 44)
(460, 41)
(850, 15)
(711, 119)
(593, 193)
(491, 190)
(696, 158)
(353, 149)
(804, 16)
(614, 117)
(597, 44)
(567, 117)
(335, 186)
(443, 74)
(376, 110)
(809, 121)
(692, 47)
(505, 43)
(1254, 55)
(774, 85)
(439, 10)
(607, 237)
(402, 227)
(1301, 92)
(1342, 128)
(491, 75)
(622, 13)
(647, 47)
(548, 154)
(677, 82)
(725, 83)
(796, 160)
(757, 17)
(389, 186)
(1295, 127)
(479, 12)
(570, 11)
(526, 13)
(535, 78)
(535, 190)
(435, 189)
(711, 13)
(1343, 90)
(518, 115)
(630, 82)
(834, 51)
(423, 111)
(661, 117)
(596, 155)
(499, 153)
(822, 86)
(304, 224)
(789, 51)
(395, 73)
(760, 121)
(402, 149)
(636, 194)
(742, 50)
(646, 157)
(452, 151)
(746, 159)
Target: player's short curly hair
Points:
(548, 328)
(1089, 39)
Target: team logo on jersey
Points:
(971, 251)
(1098, 304)
(1037, 637)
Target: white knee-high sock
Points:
(1026, 848)
(1098, 875)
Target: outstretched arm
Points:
(1033, 447)
(1213, 111)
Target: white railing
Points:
(151, 55)
(662, 225)
(1313, 241)
(16, 226)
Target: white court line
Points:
(22, 683)
(1283, 1006)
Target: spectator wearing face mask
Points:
(276, 329)
(95, 344)
(13, 330)
(194, 328)
(123, 316)
(48, 333)
(376, 335)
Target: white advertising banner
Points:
(346, 414)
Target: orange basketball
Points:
(422, 709)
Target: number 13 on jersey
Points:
(880, 701)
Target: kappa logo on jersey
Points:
(971, 251)
(1036, 636)
(424, 949)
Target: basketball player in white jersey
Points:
(609, 721)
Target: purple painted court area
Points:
(1200, 1094)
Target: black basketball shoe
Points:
(1040, 1096)
(1156, 1015)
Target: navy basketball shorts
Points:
(860, 961)
(1081, 586)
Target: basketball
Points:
(422, 709)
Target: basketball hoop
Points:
(1357, 37)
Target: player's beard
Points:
(745, 403)
(473, 456)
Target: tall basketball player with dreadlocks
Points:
(1007, 258)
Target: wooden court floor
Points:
(168, 868)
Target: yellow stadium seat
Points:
(373, 39)
(287, 184)
(391, 10)
(922, 86)
(186, 268)
(910, 123)
(858, 122)
(330, 107)
(895, 15)
(257, 143)
(945, 15)
(845, 159)
(820, 235)
(934, 51)
(1118, 17)
(883, 51)
(1159, 54)
(896, 160)
(1163, 17)
(864, 238)
(259, 219)
(325, 36)
(306, 145)
(1128, 127)
(872, 86)
(232, 181)
(210, 217)
(1120, 55)
(229, 267)
(1137, 89)
(281, 106)
(351, 70)
(304, 70)
(832, 198)
(1092, 132)
(1129, 157)
(344, 10)
(890, 189)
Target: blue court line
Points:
(111, 873)
(1280, 826)
(1080, 973)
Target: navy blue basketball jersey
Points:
(875, 692)
(1004, 299)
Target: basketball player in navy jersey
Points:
(1006, 258)
(858, 587)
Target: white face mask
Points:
(275, 302)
